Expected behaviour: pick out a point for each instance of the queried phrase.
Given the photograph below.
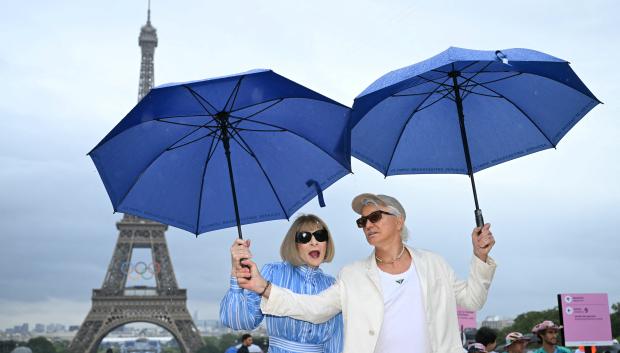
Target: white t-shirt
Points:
(404, 320)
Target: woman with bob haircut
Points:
(307, 244)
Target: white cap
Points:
(383, 200)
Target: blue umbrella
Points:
(463, 111)
(211, 154)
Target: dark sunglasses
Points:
(373, 217)
(304, 237)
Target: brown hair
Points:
(288, 249)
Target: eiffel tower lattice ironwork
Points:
(116, 304)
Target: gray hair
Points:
(404, 232)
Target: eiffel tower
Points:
(115, 303)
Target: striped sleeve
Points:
(240, 309)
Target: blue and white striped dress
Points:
(240, 310)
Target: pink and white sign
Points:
(467, 318)
(586, 319)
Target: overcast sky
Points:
(69, 72)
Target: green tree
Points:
(211, 345)
(615, 320)
(227, 340)
(171, 350)
(262, 342)
(61, 346)
(526, 321)
(7, 346)
(41, 345)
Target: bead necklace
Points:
(402, 251)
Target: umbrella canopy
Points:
(211, 154)
(463, 111)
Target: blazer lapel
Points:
(372, 271)
(421, 267)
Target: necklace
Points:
(402, 251)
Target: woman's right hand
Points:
(250, 278)
(239, 250)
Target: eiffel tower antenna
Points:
(148, 43)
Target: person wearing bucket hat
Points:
(516, 342)
(547, 332)
(397, 297)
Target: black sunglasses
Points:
(304, 237)
(373, 217)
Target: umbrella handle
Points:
(479, 218)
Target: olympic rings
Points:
(140, 270)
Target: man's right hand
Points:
(250, 278)
(239, 250)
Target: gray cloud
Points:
(70, 74)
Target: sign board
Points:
(586, 319)
(467, 318)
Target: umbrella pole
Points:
(226, 142)
(470, 172)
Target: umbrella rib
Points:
(489, 72)
(190, 142)
(492, 81)
(405, 126)
(518, 108)
(560, 82)
(196, 96)
(446, 95)
(184, 116)
(234, 93)
(448, 88)
(413, 86)
(276, 100)
(243, 146)
(414, 94)
(469, 87)
(210, 154)
(235, 125)
(503, 78)
(468, 79)
(476, 93)
(468, 66)
(253, 155)
(160, 120)
(257, 130)
(294, 133)
(151, 163)
(428, 80)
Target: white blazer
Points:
(357, 293)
